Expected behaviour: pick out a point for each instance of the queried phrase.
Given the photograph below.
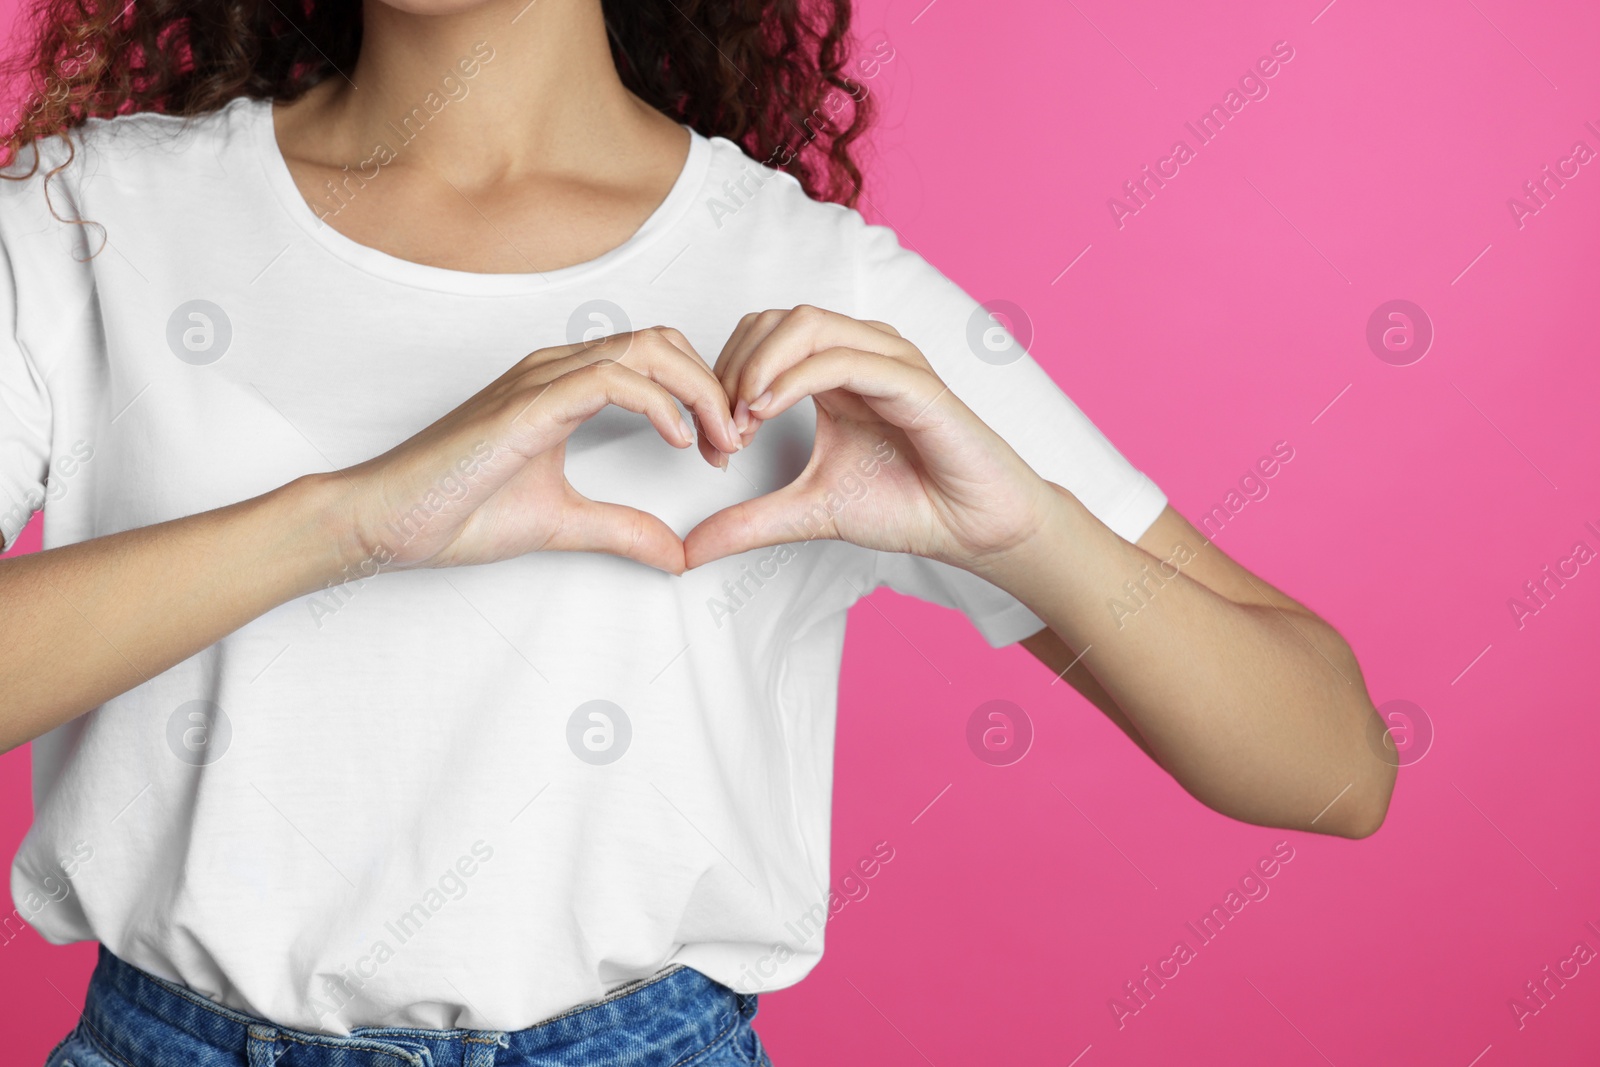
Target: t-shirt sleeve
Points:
(984, 361)
(25, 412)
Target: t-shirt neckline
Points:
(264, 143)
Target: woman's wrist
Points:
(1037, 559)
(314, 515)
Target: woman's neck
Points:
(495, 139)
(526, 87)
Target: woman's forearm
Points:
(94, 619)
(1259, 711)
(88, 621)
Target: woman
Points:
(444, 706)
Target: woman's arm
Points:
(88, 621)
(485, 482)
(1254, 704)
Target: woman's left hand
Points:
(899, 464)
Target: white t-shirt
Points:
(471, 797)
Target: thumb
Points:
(785, 516)
(595, 526)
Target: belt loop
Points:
(261, 1045)
(480, 1046)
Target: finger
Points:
(674, 363)
(752, 329)
(708, 451)
(755, 327)
(665, 356)
(804, 332)
(595, 526)
(735, 341)
(902, 393)
(716, 436)
(556, 409)
(792, 514)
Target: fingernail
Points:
(722, 460)
(688, 431)
(733, 429)
(741, 415)
(761, 401)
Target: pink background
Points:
(1224, 317)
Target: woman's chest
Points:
(206, 403)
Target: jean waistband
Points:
(654, 1022)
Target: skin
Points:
(1253, 703)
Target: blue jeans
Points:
(677, 1018)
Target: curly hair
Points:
(765, 74)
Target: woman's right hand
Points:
(487, 482)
